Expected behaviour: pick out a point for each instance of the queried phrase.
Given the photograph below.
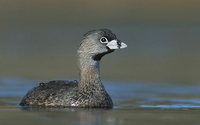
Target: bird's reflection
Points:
(82, 116)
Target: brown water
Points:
(39, 39)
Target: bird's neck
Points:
(89, 71)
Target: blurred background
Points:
(39, 38)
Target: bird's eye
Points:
(104, 40)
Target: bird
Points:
(88, 92)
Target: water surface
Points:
(135, 103)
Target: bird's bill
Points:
(116, 44)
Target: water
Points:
(39, 39)
(162, 38)
(135, 103)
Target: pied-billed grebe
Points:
(89, 92)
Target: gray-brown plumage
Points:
(89, 92)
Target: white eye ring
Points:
(104, 40)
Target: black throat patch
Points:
(100, 55)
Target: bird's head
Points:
(100, 42)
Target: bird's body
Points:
(66, 94)
(89, 92)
